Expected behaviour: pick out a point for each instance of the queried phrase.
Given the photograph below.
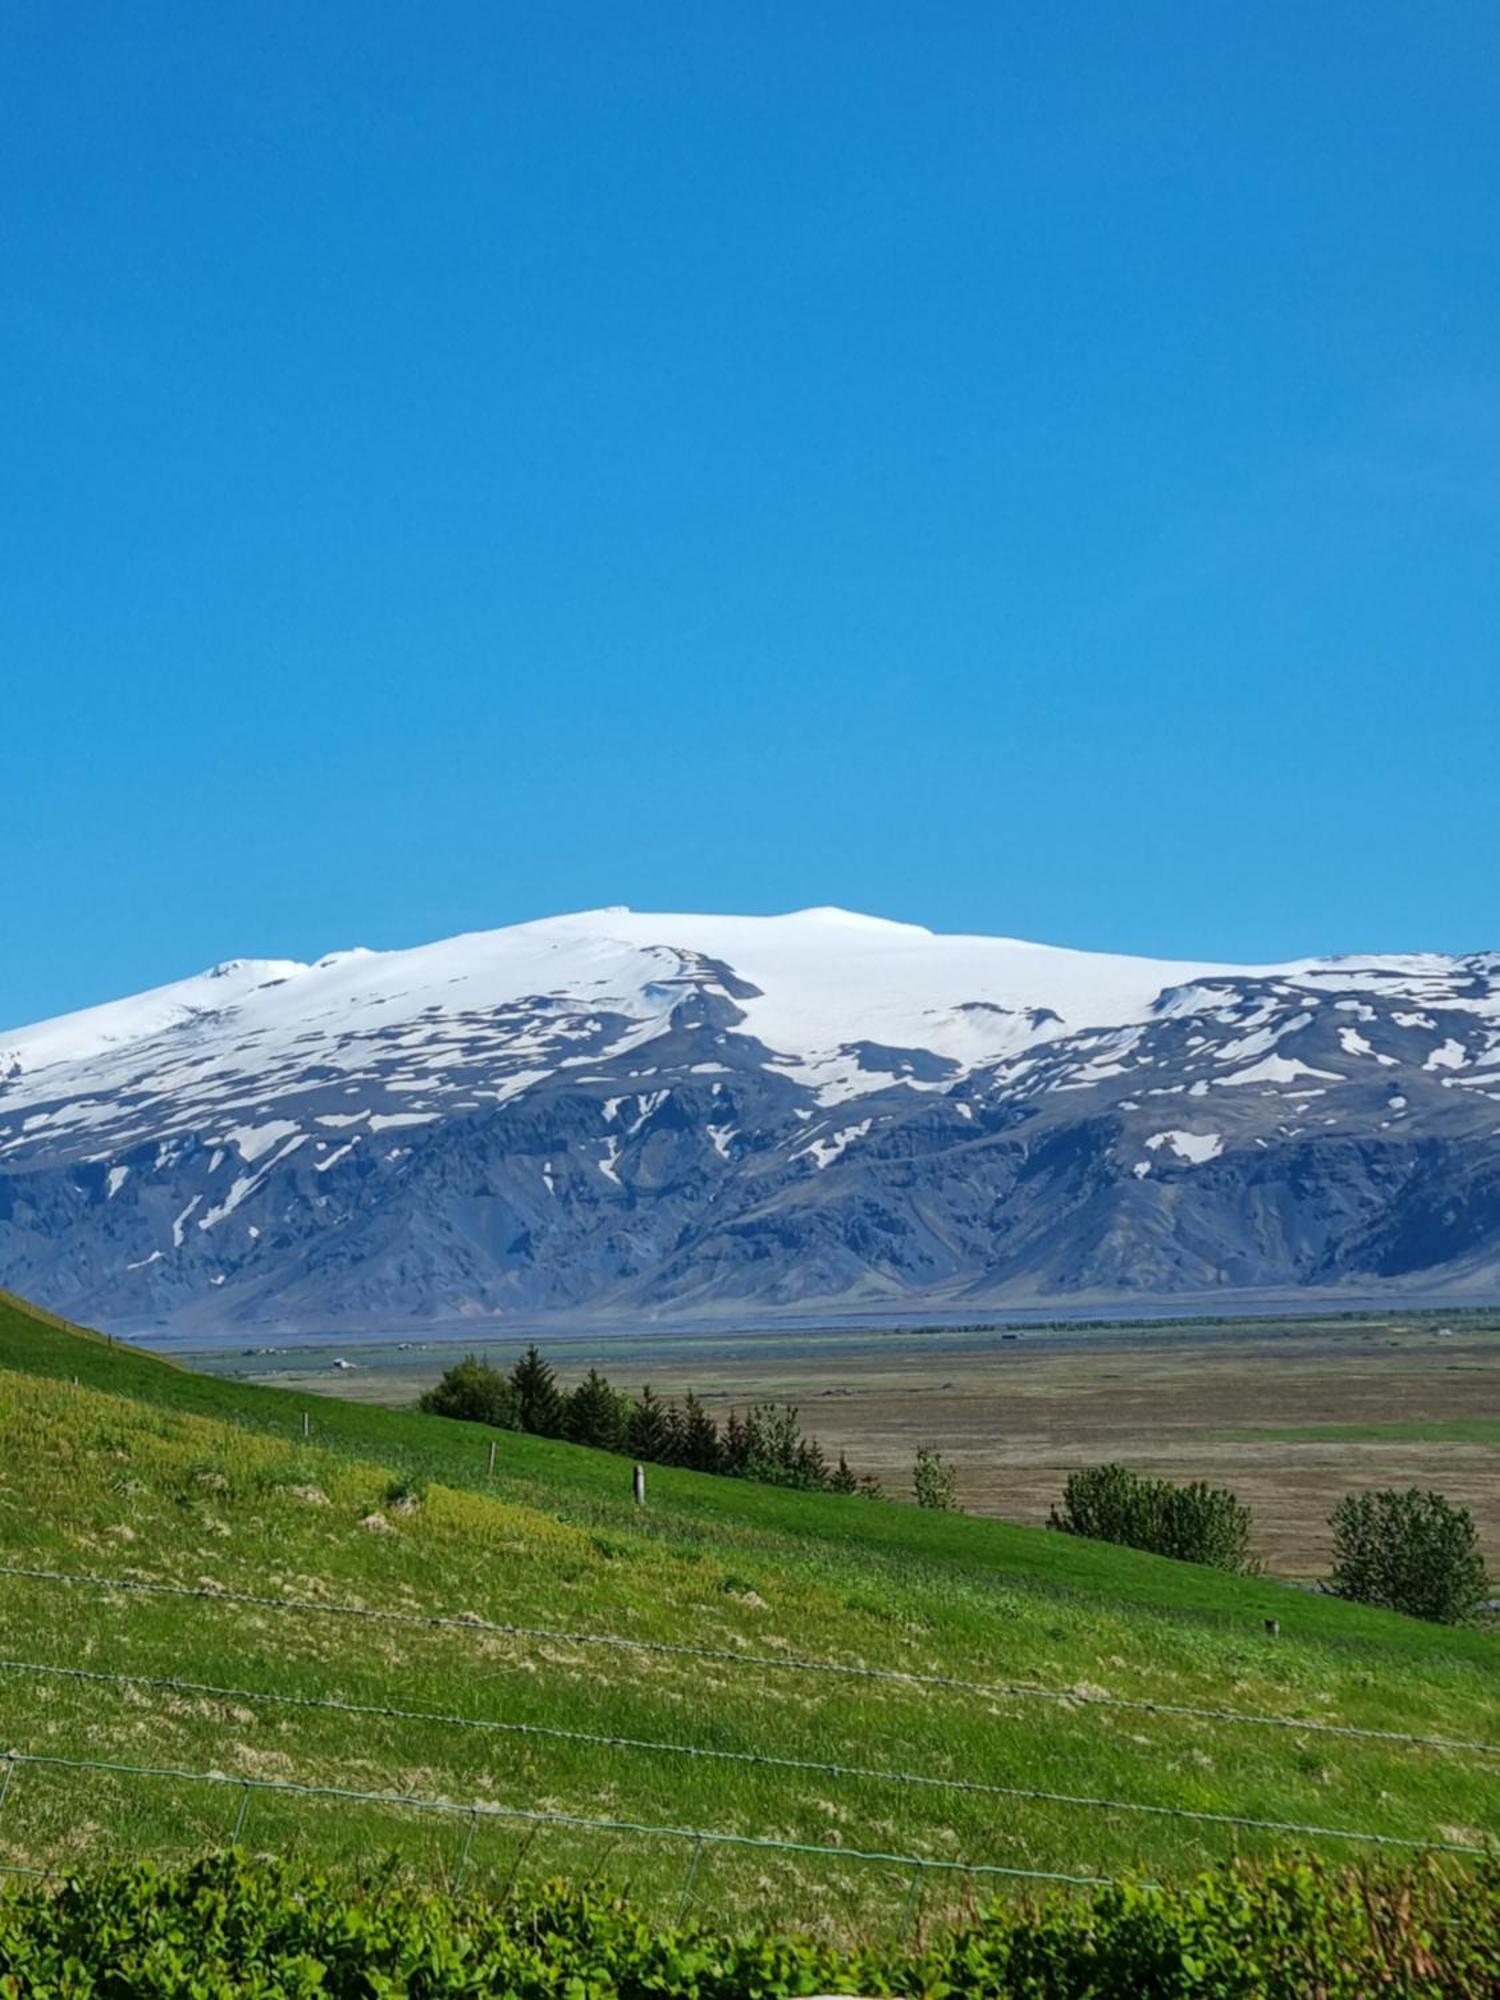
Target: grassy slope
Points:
(151, 1470)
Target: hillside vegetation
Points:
(145, 1474)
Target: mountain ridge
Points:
(618, 1111)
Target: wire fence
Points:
(760, 1759)
(698, 1838)
(725, 1656)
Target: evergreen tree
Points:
(647, 1433)
(736, 1446)
(674, 1439)
(596, 1414)
(700, 1436)
(842, 1479)
(810, 1470)
(539, 1402)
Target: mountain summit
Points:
(617, 1111)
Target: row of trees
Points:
(1412, 1552)
(766, 1443)
(1409, 1551)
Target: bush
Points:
(1197, 1523)
(1410, 1552)
(934, 1481)
(225, 1925)
(475, 1392)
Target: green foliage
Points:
(841, 1479)
(596, 1414)
(697, 1438)
(1411, 1552)
(226, 1925)
(934, 1481)
(476, 1393)
(1197, 1523)
(767, 1444)
(646, 1434)
(539, 1402)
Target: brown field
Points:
(1416, 1401)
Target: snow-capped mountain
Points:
(615, 1111)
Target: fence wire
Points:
(724, 1656)
(762, 1759)
(16, 1760)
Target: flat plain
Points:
(1291, 1413)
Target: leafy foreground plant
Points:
(229, 1925)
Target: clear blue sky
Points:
(1017, 468)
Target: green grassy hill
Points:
(146, 1474)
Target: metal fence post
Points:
(10, 1772)
(910, 1904)
(687, 1886)
(239, 1818)
(463, 1859)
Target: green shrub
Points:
(1410, 1552)
(475, 1392)
(1197, 1523)
(934, 1482)
(227, 1926)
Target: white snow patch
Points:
(1277, 1069)
(250, 1141)
(1263, 1040)
(1194, 1147)
(117, 1179)
(649, 1102)
(1353, 1043)
(1451, 1055)
(180, 1223)
(391, 1121)
(825, 1151)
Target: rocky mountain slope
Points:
(617, 1112)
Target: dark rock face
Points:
(1323, 1127)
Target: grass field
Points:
(1292, 1414)
(145, 1472)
